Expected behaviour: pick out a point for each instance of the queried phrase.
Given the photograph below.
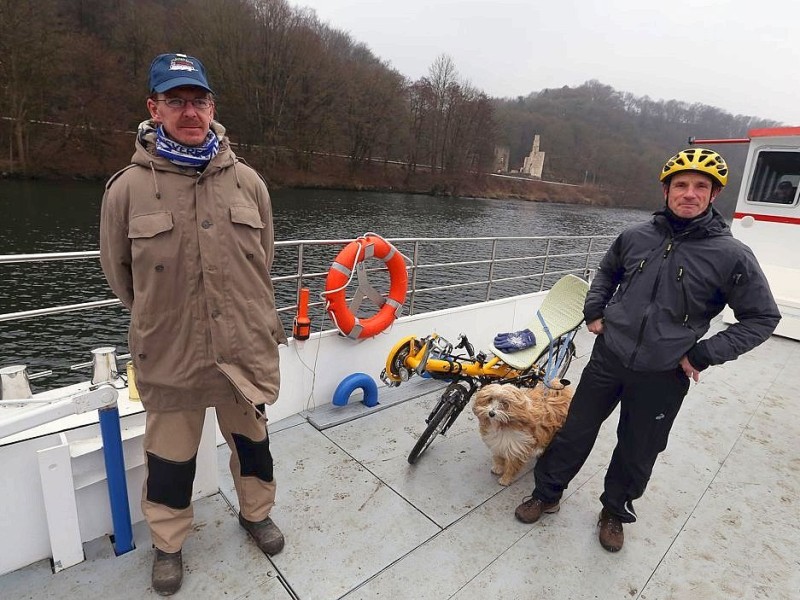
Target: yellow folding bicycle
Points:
(556, 323)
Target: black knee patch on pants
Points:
(255, 459)
(169, 482)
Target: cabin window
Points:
(776, 177)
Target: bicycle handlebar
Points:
(464, 343)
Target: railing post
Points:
(414, 263)
(491, 270)
(588, 258)
(544, 266)
(299, 271)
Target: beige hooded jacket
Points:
(189, 253)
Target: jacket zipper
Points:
(680, 274)
(639, 338)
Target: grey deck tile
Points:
(444, 564)
(342, 524)
(560, 557)
(436, 483)
(211, 569)
(742, 539)
(390, 434)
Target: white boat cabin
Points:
(767, 217)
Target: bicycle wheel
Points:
(441, 418)
(562, 369)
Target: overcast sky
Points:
(742, 56)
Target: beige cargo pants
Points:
(171, 441)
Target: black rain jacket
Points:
(657, 291)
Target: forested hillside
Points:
(600, 136)
(309, 105)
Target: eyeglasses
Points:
(180, 103)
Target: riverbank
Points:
(334, 172)
(285, 168)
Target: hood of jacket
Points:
(145, 155)
(709, 224)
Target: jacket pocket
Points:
(149, 225)
(246, 215)
(155, 248)
(247, 229)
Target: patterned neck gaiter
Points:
(187, 156)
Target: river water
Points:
(63, 217)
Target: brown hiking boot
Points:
(532, 509)
(167, 572)
(266, 534)
(611, 536)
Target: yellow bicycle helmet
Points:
(697, 159)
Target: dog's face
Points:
(517, 424)
(504, 404)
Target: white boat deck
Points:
(719, 519)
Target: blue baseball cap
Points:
(169, 71)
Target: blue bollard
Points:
(353, 382)
(115, 474)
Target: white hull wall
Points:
(27, 528)
(336, 356)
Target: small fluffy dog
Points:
(518, 423)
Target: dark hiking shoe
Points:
(532, 509)
(268, 537)
(611, 536)
(167, 572)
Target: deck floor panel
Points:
(218, 562)
(447, 562)
(435, 485)
(343, 525)
(561, 558)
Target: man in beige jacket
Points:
(186, 243)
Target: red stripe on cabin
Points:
(768, 218)
(774, 132)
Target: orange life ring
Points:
(340, 273)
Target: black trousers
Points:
(649, 401)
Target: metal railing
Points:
(441, 270)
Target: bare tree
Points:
(442, 76)
(29, 47)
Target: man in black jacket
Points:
(655, 293)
